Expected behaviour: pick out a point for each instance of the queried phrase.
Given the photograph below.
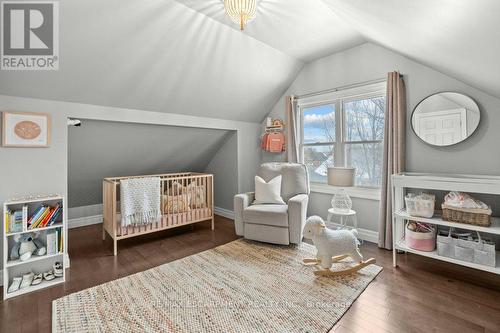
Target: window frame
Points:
(338, 99)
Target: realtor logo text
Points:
(29, 35)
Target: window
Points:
(344, 129)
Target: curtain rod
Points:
(340, 88)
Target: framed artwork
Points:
(25, 129)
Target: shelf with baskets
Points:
(401, 245)
(408, 182)
(34, 241)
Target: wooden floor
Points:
(421, 295)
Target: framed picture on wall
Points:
(25, 129)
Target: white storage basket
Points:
(419, 207)
(446, 245)
(469, 249)
(464, 250)
(484, 253)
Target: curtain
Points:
(394, 152)
(292, 131)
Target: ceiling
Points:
(187, 57)
(303, 29)
(460, 38)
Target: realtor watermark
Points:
(29, 35)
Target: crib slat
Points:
(190, 201)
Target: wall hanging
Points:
(273, 139)
(25, 129)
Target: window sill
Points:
(354, 192)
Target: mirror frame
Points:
(453, 144)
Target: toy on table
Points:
(333, 246)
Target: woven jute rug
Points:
(241, 286)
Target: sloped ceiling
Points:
(133, 149)
(157, 55)
(187, 57)
(458, 37)
(304, 29)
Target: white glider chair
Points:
(274, 223)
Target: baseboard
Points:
(83, 221)
(368, 235)
(224, 212)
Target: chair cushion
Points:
(268, 192)
(295, 179)
(275, 215)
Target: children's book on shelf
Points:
(52, 242)
(16, 221)
(44, 216)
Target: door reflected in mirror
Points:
(445, 118)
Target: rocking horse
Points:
(333, 246)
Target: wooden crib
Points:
(186, 198)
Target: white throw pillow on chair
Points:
(268, 193)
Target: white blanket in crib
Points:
(140, 200)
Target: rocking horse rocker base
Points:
(333, 246)
(329, 272)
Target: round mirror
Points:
(445, 118)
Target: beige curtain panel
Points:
(394, 152)
(292, 131)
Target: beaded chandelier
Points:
(241, 11)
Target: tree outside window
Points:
(345, 133)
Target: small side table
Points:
(345, 217)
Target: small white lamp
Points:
(342, 177)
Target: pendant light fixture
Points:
(241, 11)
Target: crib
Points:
(186, 198)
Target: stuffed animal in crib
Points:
(333, 246)
(25, 246)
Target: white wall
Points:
(44, 170)
(370, 62)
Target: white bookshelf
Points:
(478, 184)
(36, 264)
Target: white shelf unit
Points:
(36, 264)
(478, 184)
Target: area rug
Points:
(241, 286)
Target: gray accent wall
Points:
(477, 155)
(100, 149)
(224, 167)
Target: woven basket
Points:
(481, 217)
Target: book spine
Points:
(47, 217)
(40, 219)
(35, 215)
(51, 243)
(35, 218)
(7, 221)
(25, 218)
(54, 216)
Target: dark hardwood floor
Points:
(421, 295)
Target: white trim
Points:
(331, 97)
(368, 235)
(97, 219)
(1, 278)
(224, 212)
(83, 221)
(355, 192)
(84, 211)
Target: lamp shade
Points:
(343, 177)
